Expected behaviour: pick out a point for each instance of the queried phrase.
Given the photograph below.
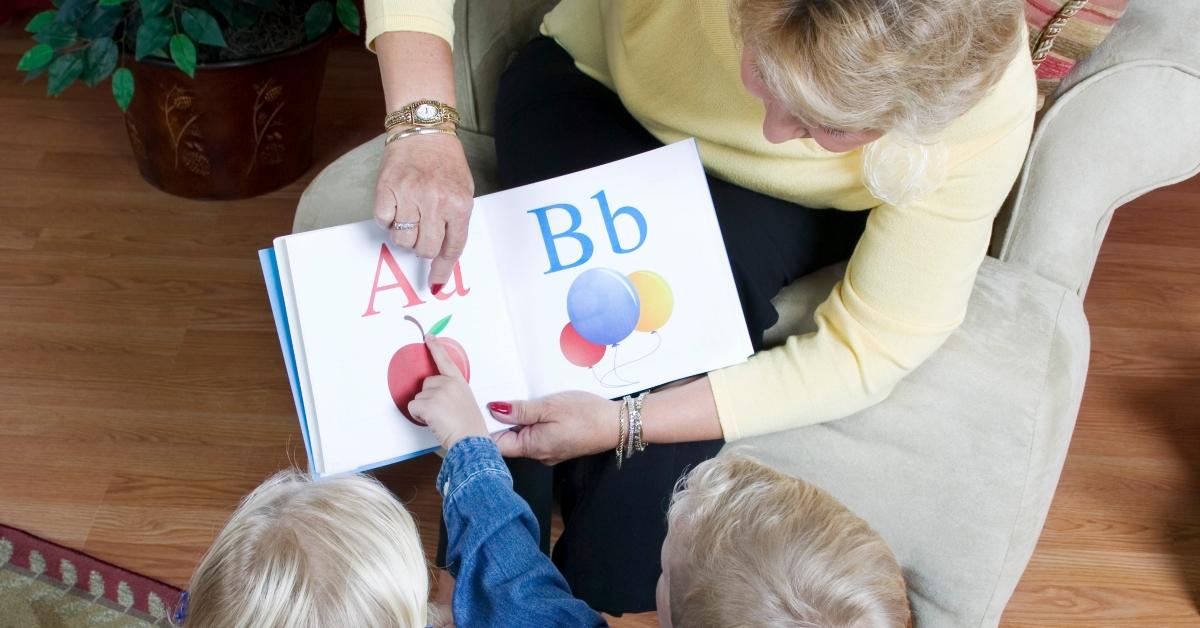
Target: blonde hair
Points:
(907, 68)
(772, 550)
(321, 553)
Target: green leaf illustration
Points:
(122, 85)
(183, 52)
(348, 15)
(111, 3)
(440, 325)
(318, 19)
(37, 57)
(202, 27)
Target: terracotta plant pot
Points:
(238, 129)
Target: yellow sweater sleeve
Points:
(435, 17)
(905, 290)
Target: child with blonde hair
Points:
(746, 546)
(749, 546)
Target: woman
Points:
(919, 111)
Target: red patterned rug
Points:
(46, 584)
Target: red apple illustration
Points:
(412, 364)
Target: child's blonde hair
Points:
(772, 550)
(320, 553)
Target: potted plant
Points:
(219, 96)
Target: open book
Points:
(610, 280)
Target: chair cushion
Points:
(1063, 32)
(957, 468)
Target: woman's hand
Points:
(424, 179)
(558, 427)
(445, 402)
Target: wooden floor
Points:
(142, 391)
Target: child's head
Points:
(298, 552)
(748, 546)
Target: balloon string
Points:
(616, 351)
(644, 356)
(622, 382)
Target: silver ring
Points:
(404, 226)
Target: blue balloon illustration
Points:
(603, 306)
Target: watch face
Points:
(426, 113)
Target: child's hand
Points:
(445, 402)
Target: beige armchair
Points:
(958, 466)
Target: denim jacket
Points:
(502, 578)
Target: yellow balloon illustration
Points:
(657, 300)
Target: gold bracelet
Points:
(622, 433)
(399, 135)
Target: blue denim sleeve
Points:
(502, 578)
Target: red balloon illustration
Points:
(578, 350)
(411, 364)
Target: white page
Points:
(289, 300)
(350, 340)
(705, 329)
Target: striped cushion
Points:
(1063, 32)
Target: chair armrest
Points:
(1124, 122)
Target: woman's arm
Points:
(573, 424)
(423, 179)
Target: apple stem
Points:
(414, 322)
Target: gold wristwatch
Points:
(422, 113)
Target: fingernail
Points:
(437, 287)
(500, 407)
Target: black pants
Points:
(552, 119)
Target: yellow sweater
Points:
(675, 67)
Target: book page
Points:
(363, 306)
(617, 277)
(312, 443)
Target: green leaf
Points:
(63, 71)
(151, 8)
(40, 20)
(440, 325)
(33, 74)
(318, 19)
(99, 60)
(101, 22)
(153, 34)
(183, 52)
(111, 3)
(72, 11)
(56, 35)
(202, 27)
(348, 14)
(34, 58)
(122, 84)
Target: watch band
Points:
(422, 113)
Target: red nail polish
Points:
(501, 407)
(437, 287)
